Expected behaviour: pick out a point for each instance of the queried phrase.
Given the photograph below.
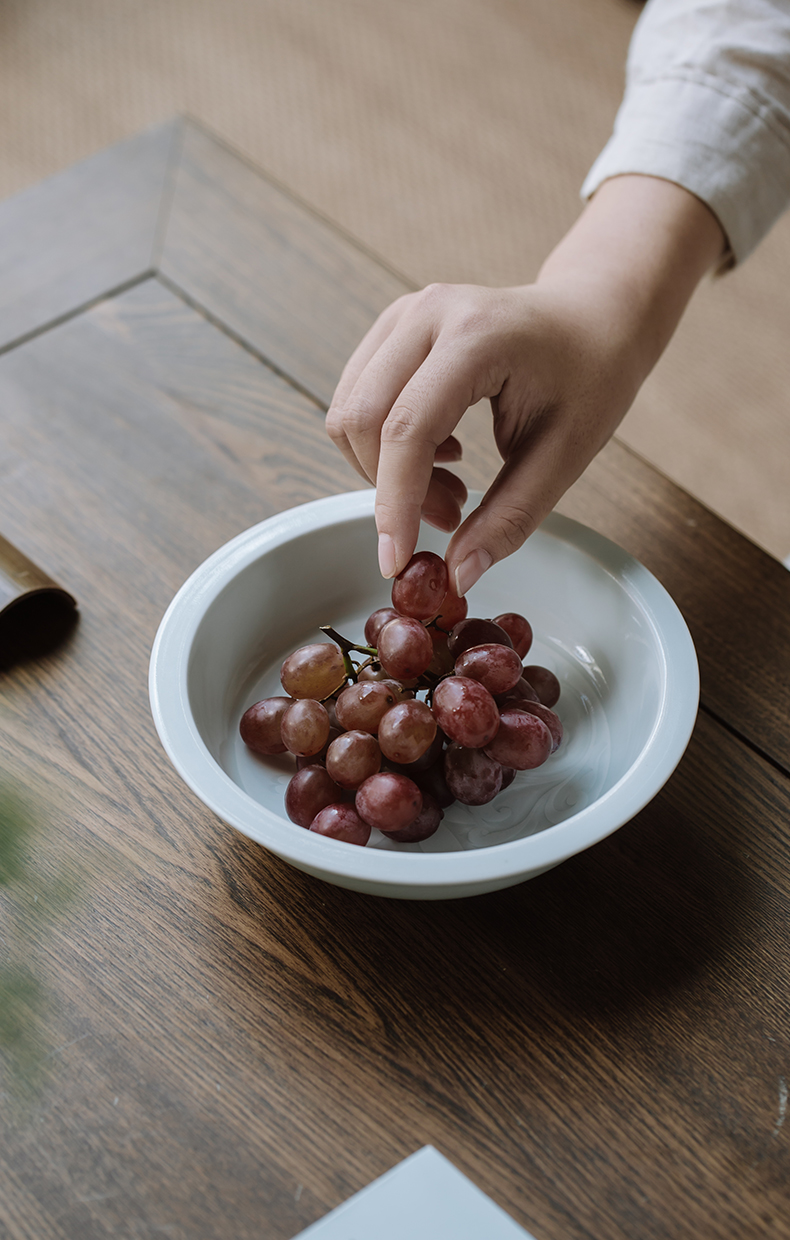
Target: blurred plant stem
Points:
(28, 901)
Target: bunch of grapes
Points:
(434, 707)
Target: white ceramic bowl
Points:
(602, 622)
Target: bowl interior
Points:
(593, 627)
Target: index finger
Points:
(386, 356)
(424, 415)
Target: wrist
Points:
(633, 258)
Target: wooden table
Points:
(219, 1045)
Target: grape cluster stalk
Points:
(433, 707)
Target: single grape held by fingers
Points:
(419, 590)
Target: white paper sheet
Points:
(424, 1198)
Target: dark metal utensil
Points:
(35, 612)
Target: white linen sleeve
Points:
(707, 105)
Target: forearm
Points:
(635, 256)
(707, 106)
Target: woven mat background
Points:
(450, 136)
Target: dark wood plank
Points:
(735, 598)
(98, 416)
(223, 1037)
(83, 232)
(285, 280)
(604, 1055)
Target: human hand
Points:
(557, 391)
(560, 360)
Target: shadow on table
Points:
(632, 919)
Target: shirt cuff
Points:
(714, 140)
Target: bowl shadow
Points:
(606, 933)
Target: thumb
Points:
(521, 496)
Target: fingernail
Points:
(386, 556)
(471, 570)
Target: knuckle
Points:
(436, 291)
(513, 526)
(358, 418)
(433, 297)
(388, 512)
(334, 426)
(471, 322)
(401, 427)
(462, 311)
(474, 314)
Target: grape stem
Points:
(346, 647)
(431, 683)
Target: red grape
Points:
(405, 648)
(442, 662)
(432, 754)
(518, 629)
(425, 824)
(551, 720)
(388, 801)
(305, 727)
(465, 711)
(452, 611)
(475, 632)
(363, 705)
(497, 667)
(375, 623)
(314, 671)
(260, 725)
(373, 671)
(401, 689)
(407, 731)
(341, 822)
(522, 742)
(522, 691)
(308, 792)
(352, 758)
(431, 782)
(544, 682)
(472, 776)
(312, 758)
(419, 589)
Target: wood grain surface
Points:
(222, 1045)
(91, 229)
(734, 597)
(291, 285)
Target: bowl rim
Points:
(183, 744)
